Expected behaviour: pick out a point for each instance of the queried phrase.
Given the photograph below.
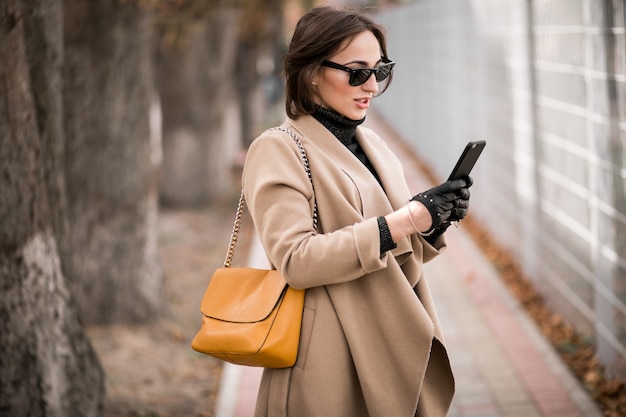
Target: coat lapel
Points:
(376, 200)
(378, 154)
(393, 182)
(325, 142)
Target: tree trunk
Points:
(200, 120)
(110, 168)
(259, 63)
(47, 365)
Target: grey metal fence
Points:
(544, 83)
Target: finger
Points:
(449, 197)
(451, 186)
(463, 193)
(460, 213)
(462, 204)
(457, 215)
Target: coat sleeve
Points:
(425, 250)
(279, 196)
(432, 250)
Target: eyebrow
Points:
(363, 62)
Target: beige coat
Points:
(369, 346)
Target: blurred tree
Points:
(47, 366)
(195, 67)
(111, 172)
(213, 59)
(260, 48)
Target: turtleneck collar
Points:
(339, 125)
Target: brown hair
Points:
(319, 34)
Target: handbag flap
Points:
(243, 295)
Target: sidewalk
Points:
(503, 365)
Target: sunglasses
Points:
(359, 76)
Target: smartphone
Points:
(467, 160)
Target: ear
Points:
(314, 93)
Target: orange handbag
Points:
(251, 316)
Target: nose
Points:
(371, 85)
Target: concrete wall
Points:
(544, 83)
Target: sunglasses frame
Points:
(355, 71)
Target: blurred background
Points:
(544, 83)
(124, 127)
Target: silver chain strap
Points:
(242, 200)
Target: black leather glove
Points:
(461, 204)
(447, 202)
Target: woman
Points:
(370, 342)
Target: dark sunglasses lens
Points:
(359, 76)
(383, 72)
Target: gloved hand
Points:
(446, 202)
(461, 204)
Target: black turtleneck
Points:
(344, 129)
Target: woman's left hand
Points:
(461, 203)
(446, 202)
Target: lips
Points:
(363, 102)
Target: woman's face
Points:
(331, 88)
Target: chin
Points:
(358, 115)
(355, 114)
